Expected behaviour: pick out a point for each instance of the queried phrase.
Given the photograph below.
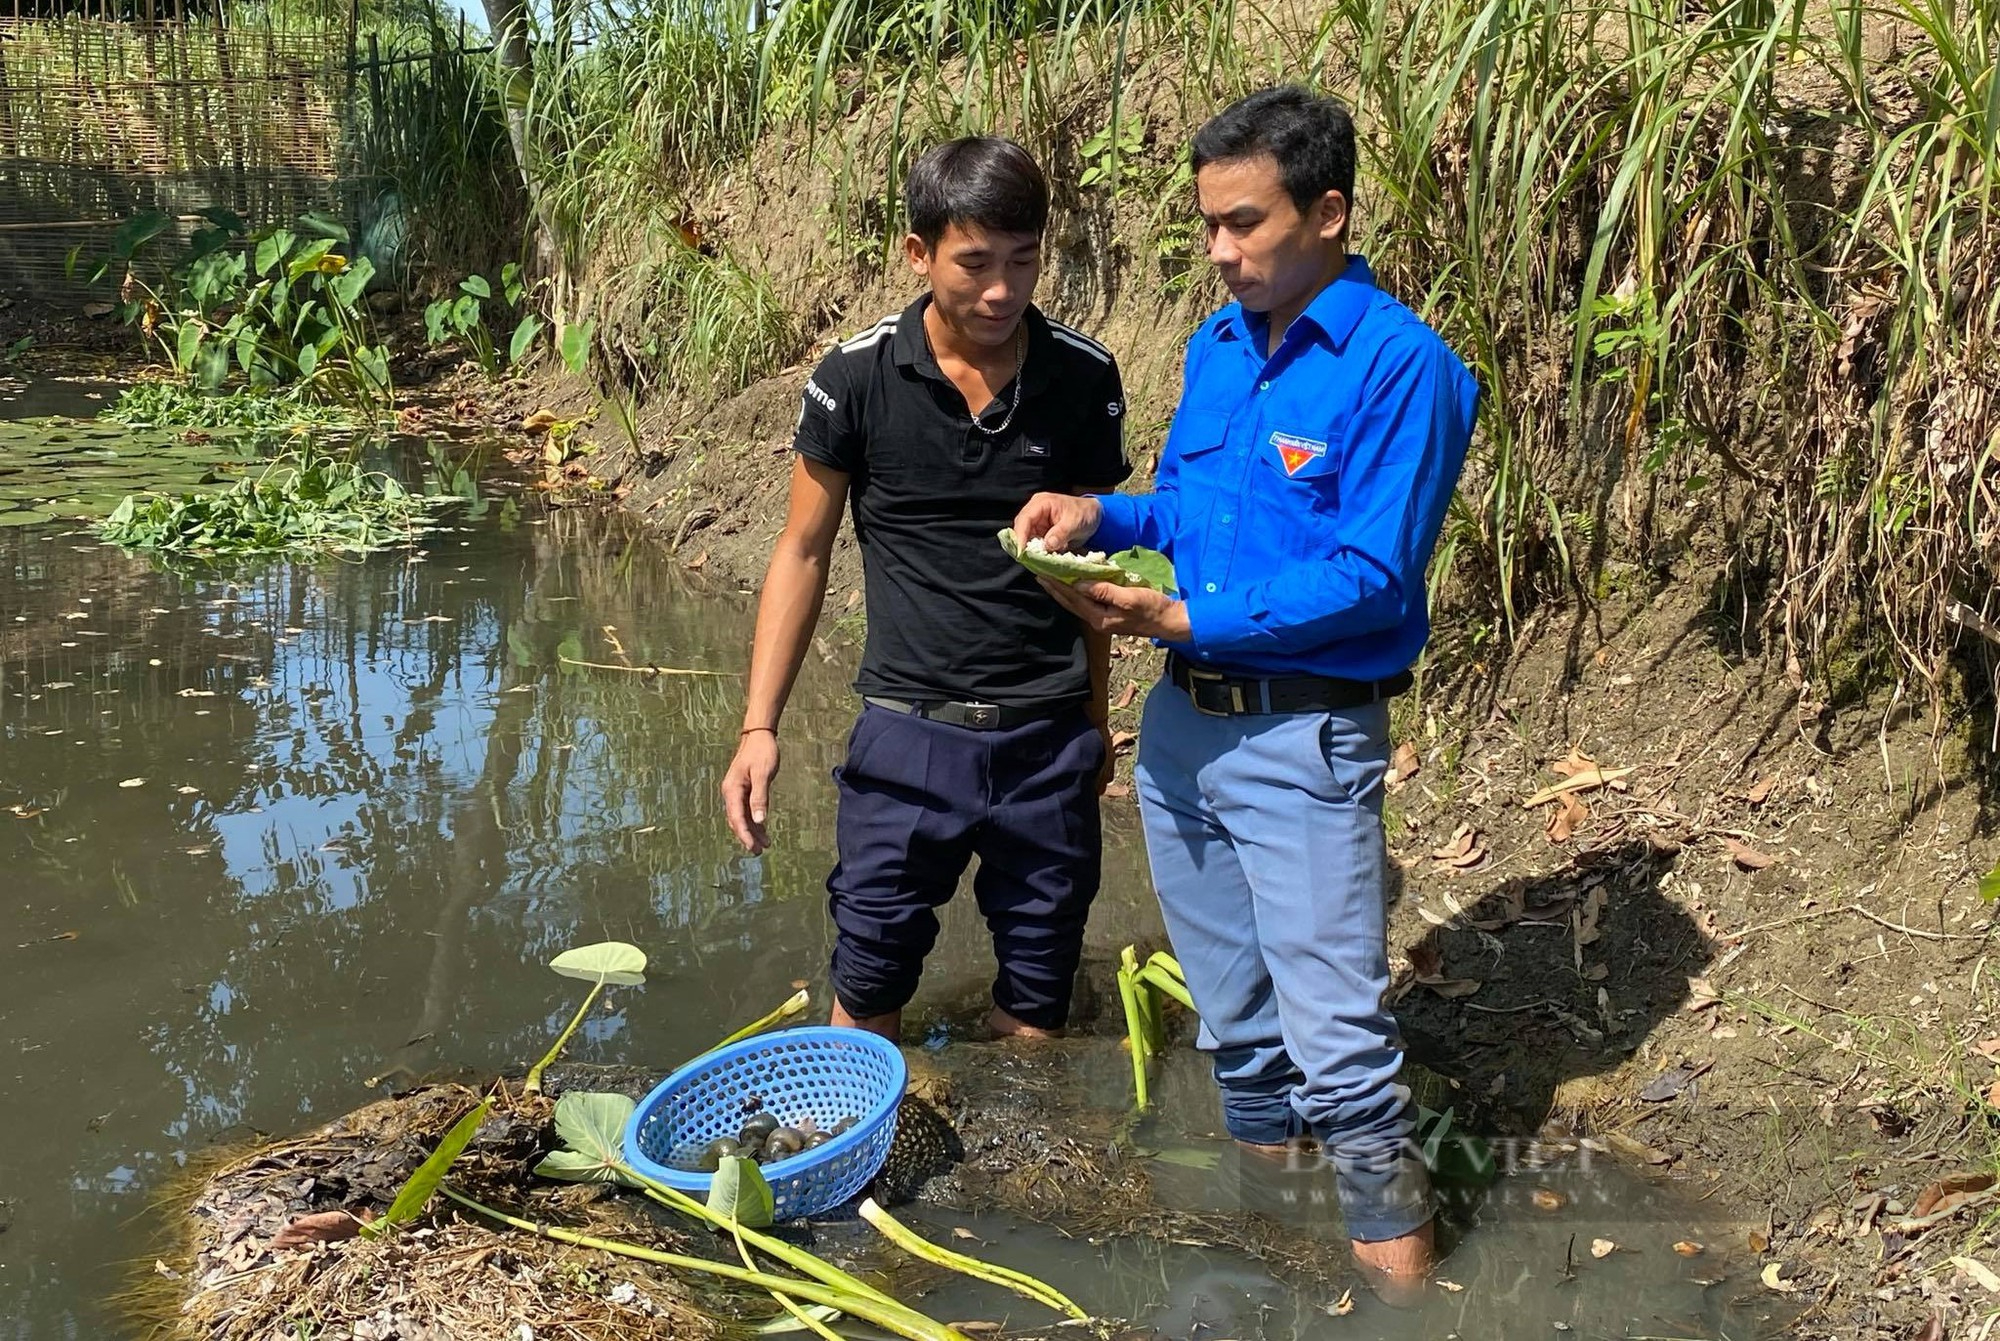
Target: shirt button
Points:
(1211, 586)
(1228, 517)
(1263, 386)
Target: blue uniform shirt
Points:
(1300, 495)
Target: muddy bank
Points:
(270, 1240)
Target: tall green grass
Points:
(426, 134)
(1726, 264)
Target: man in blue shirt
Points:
(1321, 431)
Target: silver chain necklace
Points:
(1020, 362)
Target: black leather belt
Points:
(1219, 694)
(976, 716)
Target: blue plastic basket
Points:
(818, 1072)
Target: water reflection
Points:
(313, 823)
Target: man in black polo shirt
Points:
(983, 726)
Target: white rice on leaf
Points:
(1095, 566)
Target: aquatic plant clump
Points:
(300, 502)
(176, 405)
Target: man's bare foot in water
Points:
(1397, 1269)
(888, 1025)
(1282, 1152)
(1003, 1025)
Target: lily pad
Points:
(27, 518)
(612, 962)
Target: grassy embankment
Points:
(1720, 273)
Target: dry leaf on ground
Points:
(1749, 858)
(1427, 968)
(1602, 1247)
(1948, 1194)
(1772, 1280)
(1586, 780)
(1342, 1306)
(1566, 818)
(1466, 849)
(1702, 994)
(1584, 919)
(1989, 1048)
(1760, 791)
(1404, 764)
(1578, 762)
(323, 1227)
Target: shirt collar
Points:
(913, 349)
(1334, 312)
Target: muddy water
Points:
(273, 833)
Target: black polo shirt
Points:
(950, 616)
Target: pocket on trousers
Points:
(1354, 744)
(867, 727)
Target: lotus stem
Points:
(1156, 977)
(794, 1257)
(794, 1005)
(891, 1317)
(1128, 992)
(533, 1084)
(806, 1319)
(917, 1245)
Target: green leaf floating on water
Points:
(738, 1192)
(423, 1184)
(1127, 568)
(612, 962)
(592, 1129)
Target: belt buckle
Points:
(981, 716)
(1199, 676)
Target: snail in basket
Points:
(783, 1144)
(716, 1151)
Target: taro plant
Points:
(463, 316)
(607, 962)
(279, 307)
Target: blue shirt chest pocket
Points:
(1300, 468)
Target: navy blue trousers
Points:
(918, 801)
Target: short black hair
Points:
(1312, 139)
(980, 179)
